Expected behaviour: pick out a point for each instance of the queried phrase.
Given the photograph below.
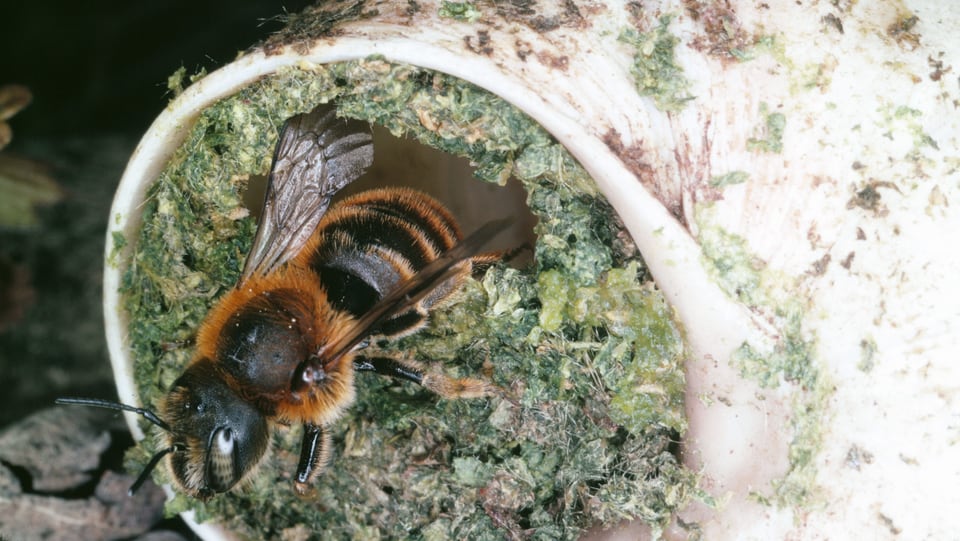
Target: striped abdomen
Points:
(368, 244)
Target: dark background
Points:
(103, 68)
(98, 77)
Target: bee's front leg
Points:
(440, 384)
(314, 455)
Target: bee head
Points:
(217, 438)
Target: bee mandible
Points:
(319, 283)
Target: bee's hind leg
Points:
(440, 384)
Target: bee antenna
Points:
(142, 478)
(98, 403)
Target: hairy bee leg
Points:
(314, 455)
(482, 262)
(440, 384)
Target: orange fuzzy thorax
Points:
(318, 323)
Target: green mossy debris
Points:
(461, 11)
(729, 179)
(765, 44)
(585, 347)
(770, 134)
(655, 69)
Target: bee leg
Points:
(482, 262)
(314, 454)
(440, 384)
(385, 366)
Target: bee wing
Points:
(410, 292)
(317, 155)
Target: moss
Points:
(904, 120)
(655, 69)
(591, 361)
(119, 242)
(641, 358)
(728, 179)
(461, 11)
(765, 44)
(770, 134)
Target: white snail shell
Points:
(853, 218)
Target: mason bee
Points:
(318, 284)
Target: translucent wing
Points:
(418, 286)
(317, 155)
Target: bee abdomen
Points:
(370, 243)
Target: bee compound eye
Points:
(221, 469)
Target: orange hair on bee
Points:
(286, 278)
(305, 305)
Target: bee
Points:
(284, 345)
